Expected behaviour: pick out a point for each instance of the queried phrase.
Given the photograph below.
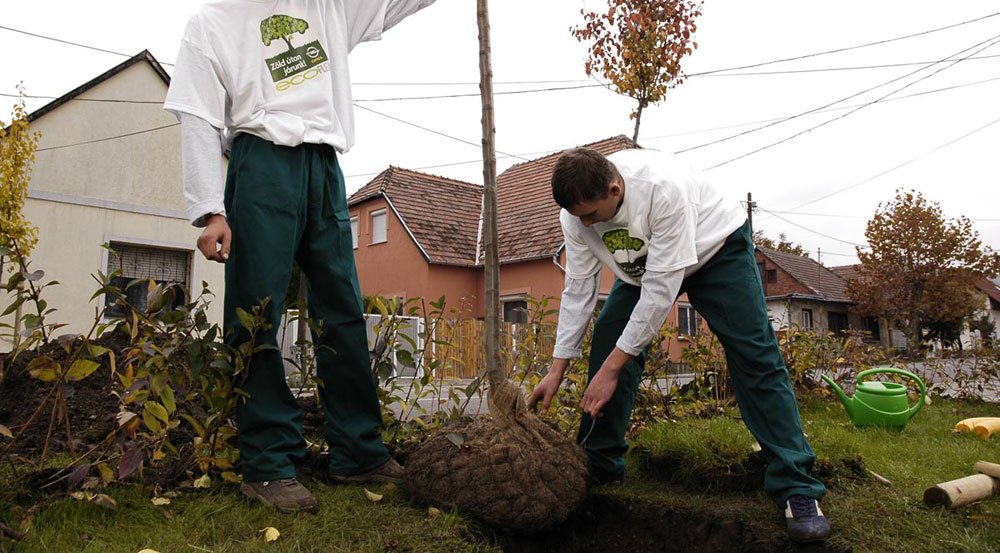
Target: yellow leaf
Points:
(160, 501)
(271, 534)
(373, 497)
(231, 477)
(107, 474)
(149, 551)
(204, 482)
(105, 501)
(433, 512)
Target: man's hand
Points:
(216, 232)
(604, 383)
(549, 385)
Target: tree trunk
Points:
(491, 250)
(638, 117)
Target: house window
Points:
(772, 275)
(836, 322)
(688, 320)
(354, 232)
(163, 266)
(515, 311)
(378, 226)
(807, 318)
(873, 328)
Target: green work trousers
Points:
(727, 292)
(286, 204)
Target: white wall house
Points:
(107, 170)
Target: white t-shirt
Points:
(278, 69)
(669, 224)
(670, 219)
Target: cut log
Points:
(956, 493)
(991, 469)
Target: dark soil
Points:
(608, 522)
(89, 402)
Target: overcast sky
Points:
(827, 181)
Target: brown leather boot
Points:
(390, 471)
(287, 496)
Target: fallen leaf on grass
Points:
(270, 534)
(160, 501)
(204, 482)
(373, 497)
(433, 512)
(4, 431)
(100, 499)
(149, 551)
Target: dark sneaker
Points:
(806, 522)
(390, 471)
(287, 496)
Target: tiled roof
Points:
(846, 272)
(822, 281)
(527, 217)
(990, 288)
(441, 214)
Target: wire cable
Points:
(887, 171)
(914, 95)
(72, 43)
(830, 104)
(107, 138)
(838, 50)
(855, 110)
(811, 230)
(439, 133)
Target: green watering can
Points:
(880, 403)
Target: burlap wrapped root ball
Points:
(510, 470)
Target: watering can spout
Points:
(847, 401)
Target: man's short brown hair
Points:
(581, 175)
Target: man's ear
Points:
(616, 188)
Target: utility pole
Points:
(751, 207)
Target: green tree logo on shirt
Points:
(281, 27)
(628, 251)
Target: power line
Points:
(811, 230)
(72, 43)
(901, 165)
(855, 110)
(825, 106)
(107, 138)
(829, 69)
(838, 216)
(933, 91)
(439, 133)
(476, 95)
(445, 83)
(837, 50)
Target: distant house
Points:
(107, 170)
(801, 292)
(990, 308)
(990, 290)
(420, 235)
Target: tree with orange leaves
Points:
(638, 46)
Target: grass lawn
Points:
(685, 490)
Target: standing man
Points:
(268, 81)
(664, 231)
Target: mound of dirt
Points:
(89, 402)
